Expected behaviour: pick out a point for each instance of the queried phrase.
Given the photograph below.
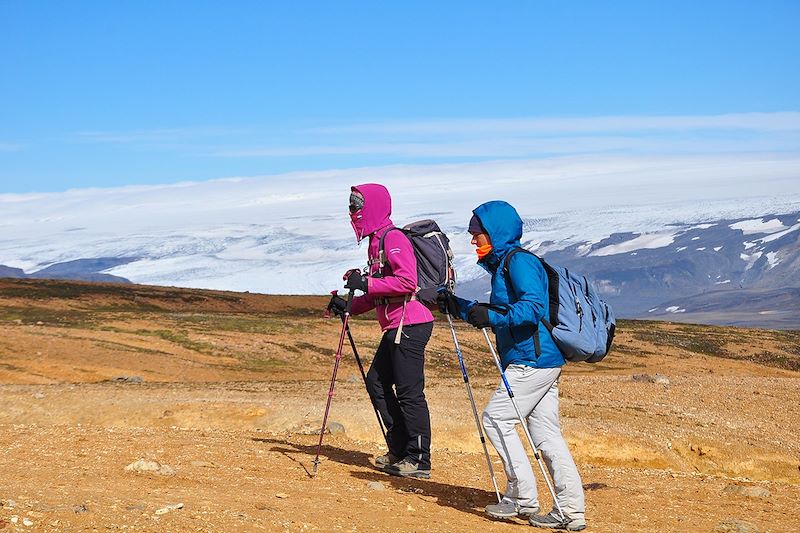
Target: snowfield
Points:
(291, 233)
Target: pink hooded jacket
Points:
(400, 269)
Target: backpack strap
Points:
(381, 250)
(537, 345)
(552, 283)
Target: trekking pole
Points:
(345, 318)
(364, 377)
(363, 374)
(522, 422)
(472, 402)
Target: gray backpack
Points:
(434, 259)
(582, 324)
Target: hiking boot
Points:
(385, 460)
(407, 468)
(553, 520)
(509, 509)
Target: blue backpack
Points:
(581, 323)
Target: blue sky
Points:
(104, 94)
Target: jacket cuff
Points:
(497, 319)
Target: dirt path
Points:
(227, 392)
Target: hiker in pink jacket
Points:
(396, 379)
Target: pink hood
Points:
(376, 211)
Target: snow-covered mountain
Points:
(622, 220)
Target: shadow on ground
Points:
(464, 499)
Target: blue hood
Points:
(504, 227)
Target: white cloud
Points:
(736, 121)
(478, 138)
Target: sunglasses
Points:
(356, 203)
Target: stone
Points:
(735, 526)
(376, 485)
(168, 508)
(38, 395)
(749, 491)
(27, 522)
(335, 428)
(281, 495)
(77, 509)
(128, 379)
(661, 380)
(144, 466)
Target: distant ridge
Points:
(79, 269)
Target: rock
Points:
(282, 495)
(376, 485)
(168, 508)
(150, 467)
(128, 379)
(749, 491)
(77, 509)
(26, 522)
(647, 378)
(312, 428)
(735, 526)
(38, 396)
(39, 323)
(335, 428)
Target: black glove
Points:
(446, 301)
(478, 316)
(356, 280)
(337, 305)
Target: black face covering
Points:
(356, 202)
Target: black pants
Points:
(396, 383)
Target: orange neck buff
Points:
(483, 251)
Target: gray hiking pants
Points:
(536, 393)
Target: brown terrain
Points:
(681, 428)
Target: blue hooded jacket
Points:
(526, 300)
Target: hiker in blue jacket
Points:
(532, 363)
